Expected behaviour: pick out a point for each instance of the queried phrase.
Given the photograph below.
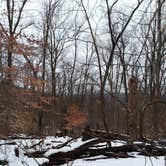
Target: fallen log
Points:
(87, 150)
(80, 152)
(153, 151)
(64, 144)
(8, 143)
(89, 134)
(118, 155)
(36, 154)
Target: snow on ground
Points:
(7, 153)
(72, 145)
(49, 144)
(118, 143)
(138, 161)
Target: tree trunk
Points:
(132, 104)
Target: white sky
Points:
(33, 8)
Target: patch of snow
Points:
(7, 153)
(117, 143)
(138, 161)
(74, 144)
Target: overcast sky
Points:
(33, 7)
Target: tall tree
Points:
(14, 12)
(114, 42)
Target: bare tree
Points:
(14, 17)
(114, 43)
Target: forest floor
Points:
(66, 151)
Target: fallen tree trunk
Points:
(89, 134)
(87, 150)
(8, 143)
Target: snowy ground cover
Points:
(138, 161)
(13, 153)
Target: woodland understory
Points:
(95, 70)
